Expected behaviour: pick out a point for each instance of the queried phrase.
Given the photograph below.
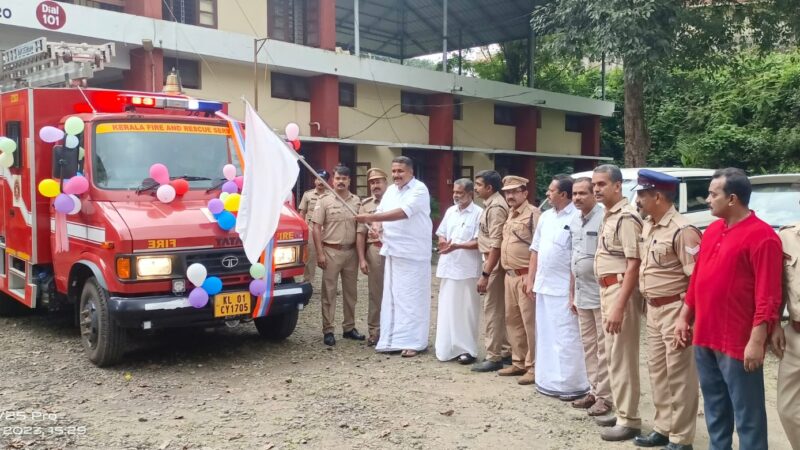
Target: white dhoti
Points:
(406, 305)
(560, 365)
(458, 318)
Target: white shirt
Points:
(408, 238)
(552, 240)
(460, 226)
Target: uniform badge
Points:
(693, 250)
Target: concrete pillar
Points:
(590, 143)
(145, 8)
(325, 112)
(440, 132)
(526, 129)
(147, 71)
(326, 22)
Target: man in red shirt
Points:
(733, 299)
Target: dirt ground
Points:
(228, 389)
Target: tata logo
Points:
(229, 262)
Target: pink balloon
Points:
(50, 134)
(258, 287)
(159, 173)
(216, 206)
(229, 171)
(166, 193)
(230, 187)
(292, 131)
(198, 297)
(64, 204)
(76, 185)
(239, 182)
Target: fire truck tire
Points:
(102, 339)
(277, 328)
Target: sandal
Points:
(600, 407)
(409, 353)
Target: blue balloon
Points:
(212, 285)
(226, 220)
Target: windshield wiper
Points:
(142, 188)
(218, 185)
(190, 178)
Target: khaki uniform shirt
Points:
(619, 239)
(493, 217)
(790, 238)
(309, 202)
(668, 250)
(338, 223)
(368, 206)
(517, 236)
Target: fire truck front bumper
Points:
(170, 311)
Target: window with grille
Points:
(293, 21)
(572, 123)
(188, 69)
(191, 12)
(290, 87)
(347, 94)
(504, 115)
(414, 103)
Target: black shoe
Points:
(654, 439)
(466, 359)
(487, 366)
(328, 339)
(354, 335)
(507, 361)
(673, 446)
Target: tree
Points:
(651, 35)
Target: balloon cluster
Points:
(168, 190)
(8, 147)
(292, 135)
(226, 206)
(258, 286)
(204, 285)
(66, 201)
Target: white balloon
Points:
(6, 159)
(224, 195)
(292, 131)
(165, 193)
(77, 202)
(229, 171)
(71, 141)
(196, 273)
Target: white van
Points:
(692, 192)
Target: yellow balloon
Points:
(232, 202)
(49, 188)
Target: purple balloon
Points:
(198, 297)
(258, 287)
(64, 204)
(230, 187)
(216, 206)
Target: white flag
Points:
(270, 173)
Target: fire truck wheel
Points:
(103, 340)
(279, 327)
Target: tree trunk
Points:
(637, 140)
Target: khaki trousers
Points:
(622, 351)
(311, 264)
(344, 264)
(494, 316)
(673, 376)
(789, 387)
(520, 324)
(594, 350)
(375, 262)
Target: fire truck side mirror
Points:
(65, 162)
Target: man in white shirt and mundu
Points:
(404, 225)
(459, 269)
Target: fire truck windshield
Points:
(124, 151)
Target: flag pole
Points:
(305, 164)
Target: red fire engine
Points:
(128, 253)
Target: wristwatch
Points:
(484, 274)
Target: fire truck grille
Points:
(221, 263)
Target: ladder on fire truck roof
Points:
(39, 63)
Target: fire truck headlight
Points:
(286, 256)
(153, 266)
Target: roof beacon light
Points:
(172, 102)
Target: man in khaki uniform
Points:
(617, 269)
(514, 257)
(491, 283)
(668, 249)
(306, 209)
(335, 239)
(786, 341)
(369, 253)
